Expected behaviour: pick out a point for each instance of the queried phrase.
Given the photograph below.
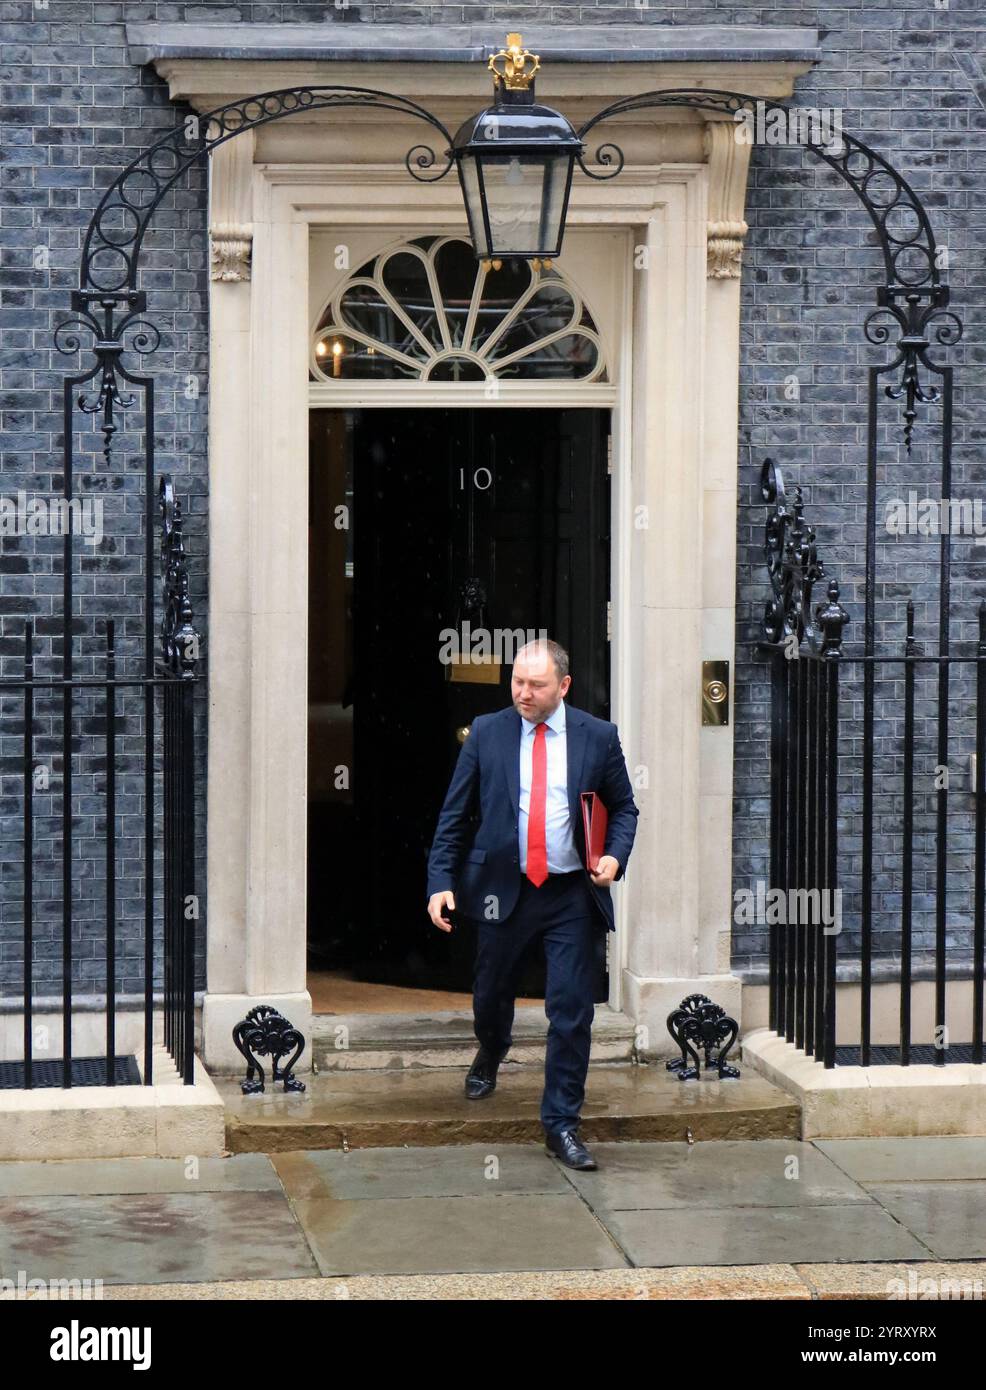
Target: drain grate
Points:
(888, 1055)
(86, 1071)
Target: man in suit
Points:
(523, 874)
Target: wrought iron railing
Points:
(179, 655)
(81, 722)
(816, 736)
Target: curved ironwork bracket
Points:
(913, 294)
(115, 235)
(108, 304)
(902, 225)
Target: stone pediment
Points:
(585, 66)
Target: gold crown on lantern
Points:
(514, 66)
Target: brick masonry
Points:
(910, 80)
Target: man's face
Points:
(535, 688)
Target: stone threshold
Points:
(790, 1283)
(445, 1038)
(845, 1102)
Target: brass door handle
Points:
(461, 734)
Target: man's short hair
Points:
(555, 650)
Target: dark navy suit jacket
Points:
(483, 869)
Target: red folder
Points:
(595, 819)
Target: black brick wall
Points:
(910, 81)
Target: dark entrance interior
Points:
(423, 520)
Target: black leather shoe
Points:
(481, 1077)
(569, 1148)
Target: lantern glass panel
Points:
(525, 197)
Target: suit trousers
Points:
(562, 913)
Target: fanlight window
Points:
(428, 311)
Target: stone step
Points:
(423, 1107)
(386, 1041)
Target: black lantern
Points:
(515, 165)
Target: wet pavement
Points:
(780, 1205)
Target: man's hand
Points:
(439, 900)
(606, 871)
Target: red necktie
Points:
(537, 848)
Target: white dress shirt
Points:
(562, 855)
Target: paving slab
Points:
(950, 1218)
(465, 1170)
(451, 1235)
(915, 1159)
(158, 1237)
(96, 1176)
(492, 1207)
(762, 1235)
(427, 1108)
(769, 1172)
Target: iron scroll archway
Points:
(912, 295)
(109, 306)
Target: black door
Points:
(492, 518)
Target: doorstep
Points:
(425, 1107)
(445, 1038)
